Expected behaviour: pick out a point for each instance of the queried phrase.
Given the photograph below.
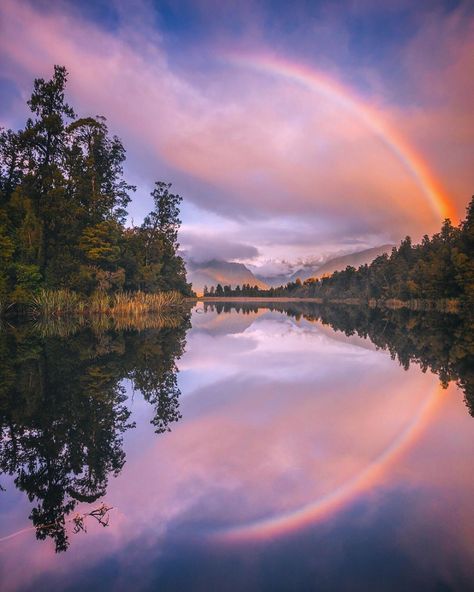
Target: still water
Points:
(239, 448)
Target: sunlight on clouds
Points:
(248, 147)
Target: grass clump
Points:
(59, 303)
(54, 303)
(138, 303)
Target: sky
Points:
(294, 131)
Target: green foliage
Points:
(28, 280)
(100, 246)
(63, 205)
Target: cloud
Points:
(273, 268)
(255, 148)
(201, 248)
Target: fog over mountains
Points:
(341, 262)
(213, 272)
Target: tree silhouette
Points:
(63, 411)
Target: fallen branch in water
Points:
(101, 514)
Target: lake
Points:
(240, 447)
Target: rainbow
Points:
(442, 207)
(304, 516)
(368, 115)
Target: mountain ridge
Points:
(355, 259)
(215, 271)
(330, 266)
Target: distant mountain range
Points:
(216, 272)
(339, 263)
(329, 267)
(211, 273)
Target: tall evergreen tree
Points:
(63, 207)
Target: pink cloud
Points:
(257, 145)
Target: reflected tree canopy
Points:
(63, 409)
(440, 342)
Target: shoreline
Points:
(448, 305)
(252, 299)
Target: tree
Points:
(45, 138)
(94, 164)
(462, 256)
(63, 207)
(163, 268)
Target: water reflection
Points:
(442, 343)
(302, 454)
(63, 409)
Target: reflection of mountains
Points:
(442, 343)
(63, 411)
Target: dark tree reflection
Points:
(63, 411)
(440, 342)
(153, 372)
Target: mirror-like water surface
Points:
(268, 448)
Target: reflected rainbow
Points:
(304, 516)
(318, 82)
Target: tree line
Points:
(227, 290)
(440, 267)
(63, 208)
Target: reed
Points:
(138, 303)
(60, 303)
(98, 303)
(64, 326)
(54, 303)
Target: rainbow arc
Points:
(323, 85)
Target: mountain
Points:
(354, 259)
(211, 273)
(330, 266)
(273, 281)
(213, 323)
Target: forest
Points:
(440, 268)
(63, 210)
